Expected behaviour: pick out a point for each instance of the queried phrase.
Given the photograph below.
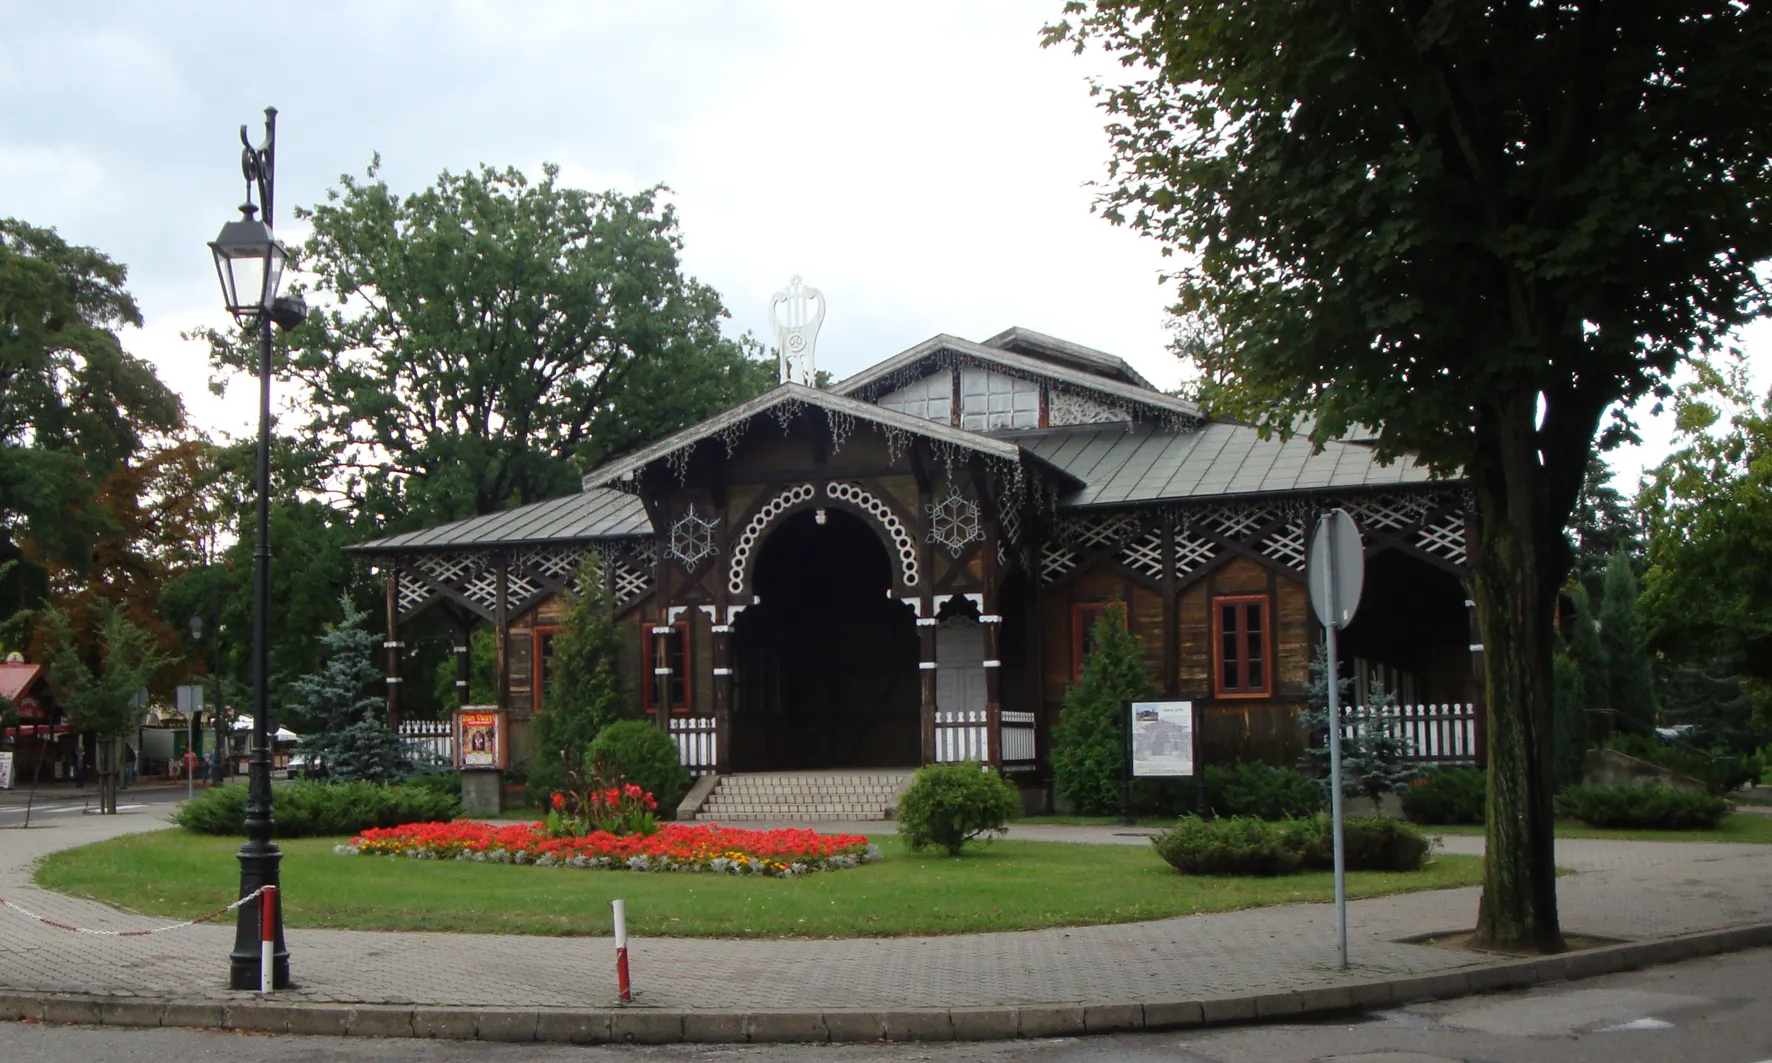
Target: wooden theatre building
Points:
(903, 568)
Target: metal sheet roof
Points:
(1123, 464)
(593, 514)
(1051, 348)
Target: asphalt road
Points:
(1705, 1011)
(52, 804)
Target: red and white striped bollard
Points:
(623, 991)
(267, 938)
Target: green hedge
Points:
(1642, 807)
(1449, 795)
(1245, 789)
(1241, 845)
(948, 805)
(313, 809)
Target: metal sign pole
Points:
(1335, 810)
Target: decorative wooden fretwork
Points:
(1145, 554)
(556, 564)
(752, 536)
(1056, 561)
(1066, 407)
(954, 521)
(1388, 511)
(1192, 551)
(692, 539)
(629, 567)
(1092, 532)
(902, 540)
(1235, 521)
(1285, 544)
(1443, 536)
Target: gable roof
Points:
(595, 513)
(1074, 355)
(880, 375)
(1121, 464)
(624, 468)
(16, 679)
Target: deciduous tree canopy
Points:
(1476, 226)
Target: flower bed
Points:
(674, 847)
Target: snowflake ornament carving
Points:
(692, 539)
(953, 522)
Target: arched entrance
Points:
(825, 669)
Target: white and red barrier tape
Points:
(132, 933)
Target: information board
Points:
(5, 771)
(1163, 739)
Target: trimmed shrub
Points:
(637, 751)
(1241, 845)
(949, 805)
(312, 809)
(1089, 743)
(437, 782)
(1644, 807)
(1245, 789)
(1450, 795)
(1238, 845)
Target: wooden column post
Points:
(720, 626)
(1171, 612)
(926, 619)
(464, 659)
(501, 617)
(392, 644)
(661, 631)
(992, 622)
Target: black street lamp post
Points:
(249, 263)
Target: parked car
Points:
(307, 766)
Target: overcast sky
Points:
(926, 164)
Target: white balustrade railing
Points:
(696, 742)
(961, 735)
(429, 741)
(1018, 736)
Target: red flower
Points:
(559, 801)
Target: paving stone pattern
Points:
(1626, 890)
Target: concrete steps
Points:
(806, 796)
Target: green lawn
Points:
(1736, 827)
(1005, 886)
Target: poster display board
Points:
(6, 771)
(1163, 738)
(480, 739)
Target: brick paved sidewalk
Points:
(1636, 890)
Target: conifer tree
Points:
(586, 691)
(1630, 682)
(1089, 750)
(1375, 756)
(349, 732)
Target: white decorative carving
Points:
(1055, 561)
(1286, 545)
(796, 312)
(753, 532)
(1444, 537)
(692, 539)
(1066, 407)
(1237, 522)
(1192, 551)
(953, 521)
(863, 499)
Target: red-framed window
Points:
(1242, 663)
(673, 689)
(1083, 618)
(542, 661)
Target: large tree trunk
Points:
(1513, 580)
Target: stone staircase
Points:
(806, 796)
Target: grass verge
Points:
(1736, 827)
(1005, 886)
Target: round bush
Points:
(949, 805)
(1244, 845)
(638, 752)
(1450, 795)
(314, 809)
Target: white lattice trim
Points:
(1444, 537)
(1055, 561)
(1286, 546)
(1145, 554)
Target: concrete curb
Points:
(852, 1025)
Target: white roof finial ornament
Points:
(796, 330)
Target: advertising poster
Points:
(479, 733)
(1162, 739)
(5, 771)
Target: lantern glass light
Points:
(249, 263)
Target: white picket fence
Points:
(429, 741)
(961, 734)
(696, 742)
(1437, 734)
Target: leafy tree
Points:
(486, 331)
(1089, 748)
(343, 716)
(1707, 595)
(1630, 680)
(97, 682)
(1474, 226)
(587, 690)
(482, 672)
(1375, 757)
